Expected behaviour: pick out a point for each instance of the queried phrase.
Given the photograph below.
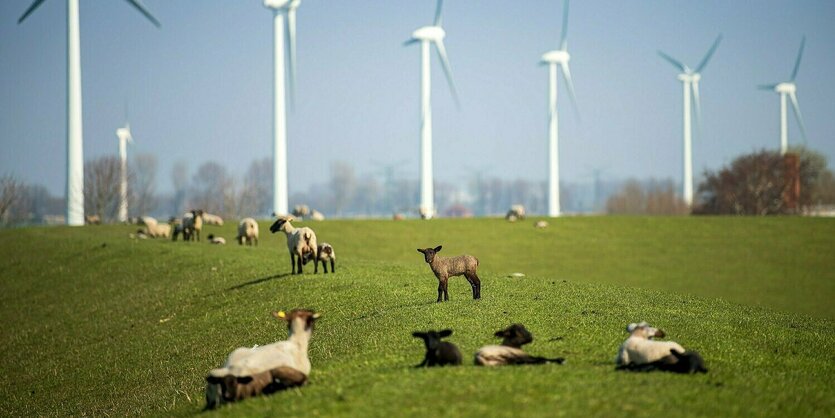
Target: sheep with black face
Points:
(438, 353)
(446, 267)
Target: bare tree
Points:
(653, 198)
(256, 194)
(179, 179)
(143, 184)
(101, 186)
(213, 190)
(11, 192)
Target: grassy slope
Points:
(99, 324)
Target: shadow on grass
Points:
(261, 280)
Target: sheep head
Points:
(515, 335)
(429, 253)
(304, 318)
(432, 339)
(279, 224)
(643, 329)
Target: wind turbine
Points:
(558, 57)
(426, 35)
(788, 88)
(75, 148)
(690, 82)
(279, 9)
(124, 136)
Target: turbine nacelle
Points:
(124, 134)
(556, 57)
(279, 5)
(429, 33)
(786, 88)
(689, 77)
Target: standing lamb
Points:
(300, 242)
(192, 225)
(247, 232)
(325, 253)
(267, 368)
(445, 267)
(510, 352)
(438, 353)
(640, 349)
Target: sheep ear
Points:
(280, 315)
(438, 248)
(417, 334)
(631, 327)
(500, 334)
(445, 333)
(421, 251)
(316, 315)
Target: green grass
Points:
(98, 324)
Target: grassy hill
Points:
(100, 324)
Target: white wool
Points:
(292, 353)
(639, 348)
(247, 231)
(497, 355)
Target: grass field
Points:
(98, 324)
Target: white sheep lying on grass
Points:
(247, 231)
(300, 241)
(155, 229)
(210, 219)
(265, 369)
(640, 349)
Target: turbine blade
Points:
(676, 63)
(291, 41)
(709, 54)
(438, 17)
(799, 56)
(35, 4)
(797, 114)
(564, 35)
(141, 7)
(439, 46)
(410, 42)
(566, 73)
(767, 86)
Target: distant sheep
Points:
(510, 351)
(640, 349)
(92, 219)
(247, 232)
(216, 240)
(264, 369)
(300, 241)
(315, 215)
(192, 225)
(540, 224)
(516, 212)
(154, 229)
(446, 267)
(210, 219)
(301, 211)
(438, 353)
(324, 253)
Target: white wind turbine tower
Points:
(75, 156)
(788, 88)
(426, 35)
(124, 136)
(280, 8)
(559, 57)
(690, 82)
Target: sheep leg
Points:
(446, 290)
(475, 282)
(333, 269)
(440, 291)
(316, 264)
(293, 262)
(299, 258)
(324, 266)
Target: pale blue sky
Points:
(200, 87)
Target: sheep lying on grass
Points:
(510, 352)
(155, 229)
(640, 349)
(247, 231)
(445, 267)
(438, 353)
(325, 253)
(688, 362)
(265, 369)
(300, 242)
(216, 240)
(210, 219)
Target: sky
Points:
(200, 88)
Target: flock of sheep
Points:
(249, 372)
